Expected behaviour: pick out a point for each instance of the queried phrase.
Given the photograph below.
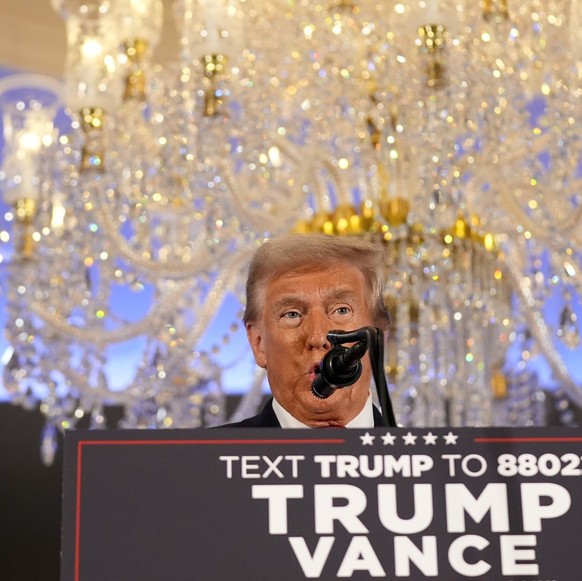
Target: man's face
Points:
(290, 339)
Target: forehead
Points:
(340, 280)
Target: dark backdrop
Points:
(30, 500)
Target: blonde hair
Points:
(305, 252)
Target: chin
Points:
(327, 405)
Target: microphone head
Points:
(341, 367)
(320, 388)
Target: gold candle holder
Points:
(92, 153)
(433, 43)
(496, 10)
(394, 210)
(214, 68)
(25, 211)
(135, 81)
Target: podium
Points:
(270, 504)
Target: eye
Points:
(291, 315)
(343, 310)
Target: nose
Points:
(317, 329)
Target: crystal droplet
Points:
(48, 443)
(568, 330)
(97, 419)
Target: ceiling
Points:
(33, 40)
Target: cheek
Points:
(282, 345)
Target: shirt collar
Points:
(365, 419)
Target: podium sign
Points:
(264, 504)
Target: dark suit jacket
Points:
(266, 418)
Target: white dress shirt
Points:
(365, 419)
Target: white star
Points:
(450, 438)
(430, 438)
(367, 439)
(388, 439)
(409, 439)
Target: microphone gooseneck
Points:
(340, 367)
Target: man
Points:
(299, 288)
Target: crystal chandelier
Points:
(446, 131)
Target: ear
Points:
(255, 338)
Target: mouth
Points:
(314, 370)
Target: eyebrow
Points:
(292, 300)
(287, 301)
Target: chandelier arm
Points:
(251, 219)
(80, 383)
(222, 285)
(568, 223)
(178, 269)
(335, 174)
(538, 146)
(542, 335)
(251, 400)
(512, 205)
(255, 223)
(515, 156)
(100, 337)
(572, 220)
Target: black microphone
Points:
(340, 367)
